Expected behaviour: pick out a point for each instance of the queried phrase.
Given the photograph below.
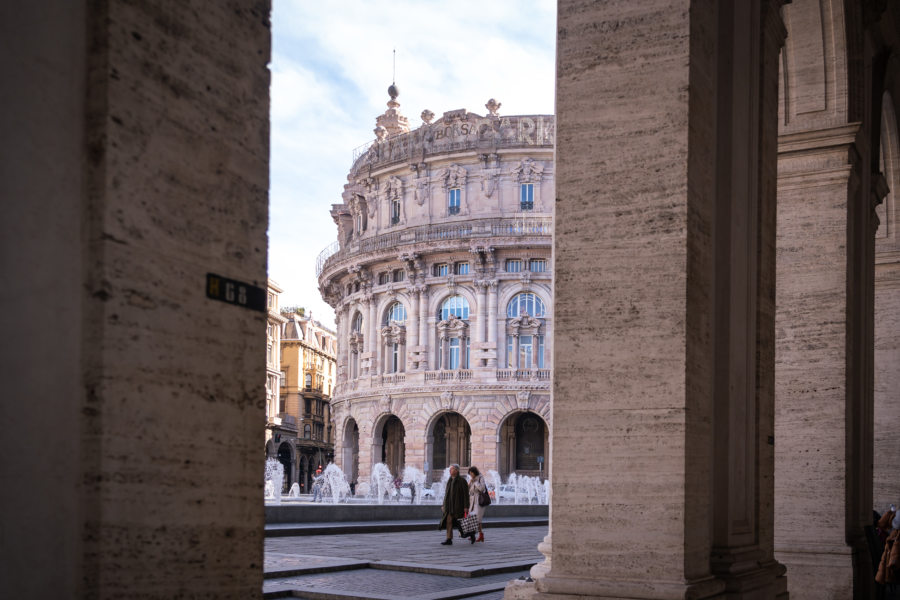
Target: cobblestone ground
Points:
(406, 565)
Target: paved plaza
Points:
(395, 565)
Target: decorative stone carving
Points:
(446, 400)
(420, 191)
(528, 171)
(453, 326)
(427, 116)
(522, 399)
(453, 176)
(524, 325)
(394, 333)
(394, 187)
(493, 106)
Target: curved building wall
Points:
(441, 284)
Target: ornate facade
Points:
(308, 376)
(441, 284)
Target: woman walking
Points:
(477, 487)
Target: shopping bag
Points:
(468, 525)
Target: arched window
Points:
(307, 431)
(456, 306)
(357, 323)
(525, 303)
(397, 312)
(308, 380)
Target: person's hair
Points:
(474, 471)
(454, 466)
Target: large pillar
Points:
(664, 302)
(828, 184)
(122, 124)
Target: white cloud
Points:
(332, 64)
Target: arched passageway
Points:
(389, 444)
(449, 441)
(285, 457)
(524, 445)
(350, 451)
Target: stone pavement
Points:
(398, 565)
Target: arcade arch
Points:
(350, 451)
(448, 440)
(389, 443)
(524, 445)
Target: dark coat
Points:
(456, 499)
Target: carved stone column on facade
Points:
(373, 337)
(492, 321)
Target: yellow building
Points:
(308, 371)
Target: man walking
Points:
(456, 502)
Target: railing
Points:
(457, 375)
(481, 228)
(393, 378)
(523, 375)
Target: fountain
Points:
(295, 490)
(274, 476)
(382, 482)
(334, 484)
(414, 479)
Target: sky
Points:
(332, 62)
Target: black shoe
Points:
(447, 543)
(472, 538)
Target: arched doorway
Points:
(350, 452)
(449, 441)
(285, 457)
(524, 445)
(304, 475)
(389, 444)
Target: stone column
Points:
(671, 392)
(423, 326)
(412, 330)
(492, 322)
(481, 312)
(372, 342)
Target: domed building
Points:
(441, 284)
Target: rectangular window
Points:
(537, 265)
(454, 353)
(540, 352)
(525, 351)
(399, 275)
(462, 268)
(466, 365)
(453, 202)
(383, 278)
(269, 354)
(441, 269)
(526, 196)
(308, 406)
(283, 379)
(395, 212)
(395, 358)
(513, 265)
(510, 349)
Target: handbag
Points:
(484, 499)
(468, 525)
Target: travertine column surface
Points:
(155, 175)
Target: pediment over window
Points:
(453, 326)
(524, 325)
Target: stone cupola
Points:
(392, 120)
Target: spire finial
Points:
(394, 77)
